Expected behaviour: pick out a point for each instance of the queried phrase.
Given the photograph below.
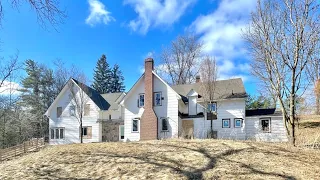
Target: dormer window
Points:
(212, 107)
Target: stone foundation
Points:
(110, 131)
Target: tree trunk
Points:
(81, 136)
(292, 108)
(317, 104)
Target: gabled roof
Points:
(104, 101)
(111, 99)
(140, 79)
(94, 96)
(224, 89)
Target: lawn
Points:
(170, 159)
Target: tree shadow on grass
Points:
(157, 159)
(309, 124)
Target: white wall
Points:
(277, 134)
(168, 109)
(115, 114)
(192, 105)
(70, 123)
(230, 109)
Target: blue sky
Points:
(127, 31)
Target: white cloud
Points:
(98, 13)
(221, 30)
(9, 87)
(155, 13)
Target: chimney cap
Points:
(149, 59)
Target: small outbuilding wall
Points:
(276, 133)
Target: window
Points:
(164, 123)
(135, 125)
(72, 111)
(86, 132)
(57, 133)
(59, 112)
(86, 109)
(121, 132)
(141, 100)
(238, 122)
(265, 125)
(157, 99)
(225, 123)
(109, 116)
(212, 107)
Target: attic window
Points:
(157, 99)
(141, 100)
(59, 112)
(87, 110)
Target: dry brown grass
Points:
(308, 131)
(172, 159)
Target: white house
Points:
(152, 109)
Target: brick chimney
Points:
(198, 79)
(149, 120)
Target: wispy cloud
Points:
(98, 13)
(155, 13)
(220, 31)
(9, 88)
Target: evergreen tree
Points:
(102, 76)
(117, 80)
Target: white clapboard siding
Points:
(168, 109)
(71, 124)
(230, 109)
(277, 134)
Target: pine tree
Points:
(102, 76)
(117, 81)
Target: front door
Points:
(187, 129)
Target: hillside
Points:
(172, 159)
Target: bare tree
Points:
(7, 68)
(284, 37)
(46, 11)
(181, 59)
(78, 98)
(208, 73)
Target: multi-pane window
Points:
(72, 110)
(157, 99)
(265, 125)
(164, 123)
(135, 125)
(59, 112)
(87, 110)
(57, 133)
(212, 107)
(238, 122)
(141, 100)
(225, 123)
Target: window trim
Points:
(87, 136)
(241, 122)
(120, 132)
(139, 105)
(260, 123)
(84, 110)
(74, 110)
(223, 123)
(211, 107)
(161, 120)
(138, 126)
(57, 111)
(154, 98)
(54, 133)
